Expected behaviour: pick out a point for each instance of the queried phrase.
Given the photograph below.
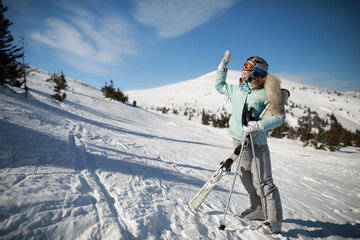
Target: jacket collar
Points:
(255, 84)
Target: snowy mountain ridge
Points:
(200, 93)
(91, 168)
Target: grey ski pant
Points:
(249, 178)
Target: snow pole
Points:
(222, 225)
(245, 120)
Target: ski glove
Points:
(224, 62)
(253, 126)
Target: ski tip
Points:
(222, 227)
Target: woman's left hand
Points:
(253, 126)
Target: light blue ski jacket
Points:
(255, 98)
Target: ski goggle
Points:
(255, 71)
(248, 66)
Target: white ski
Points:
(206, 189)
(196, 201)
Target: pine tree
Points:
(25, 68)
(357, 138)
(345, 138)
(332, 136)
(10, 68)
(305, 134)
(292, 134)
(280, 131)
(110, 92)
(60, 86)
(205, 117)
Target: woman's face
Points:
(245, 74)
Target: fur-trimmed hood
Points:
(273, 93)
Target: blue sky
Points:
(148, 43)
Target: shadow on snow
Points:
(319, 229)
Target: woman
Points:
(258, 89)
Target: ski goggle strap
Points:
(261, 71)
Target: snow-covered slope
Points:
(90, 168)
(200, 93)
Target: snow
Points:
(91, 168)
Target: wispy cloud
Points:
(344, 85)
(87, 42)
(172, 18)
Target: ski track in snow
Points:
(96, 169)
